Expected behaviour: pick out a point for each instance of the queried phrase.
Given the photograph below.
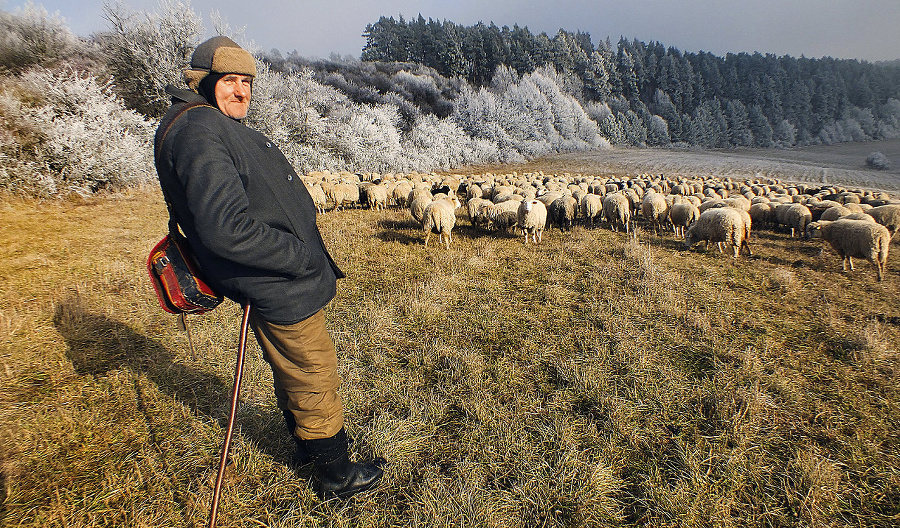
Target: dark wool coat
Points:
(246, 214)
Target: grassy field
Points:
(599, 379)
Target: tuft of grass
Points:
(598, 379)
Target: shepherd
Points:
(252, 226)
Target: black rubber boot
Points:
(301, 454)
(335, 474)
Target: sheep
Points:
(855, 238)
(722, 225)
(617, 211)
(795, 216)
(834, 212)
(376, 196)
(682, 215)
(562, 212)
(532, 219)
(888, 216)
(655, 210)
(400, 193)
(318, 196)
(591, 208)
(440, 217)
(762, 213)
(475, 207)
(417, 205)
(502, 215)
(342, 194)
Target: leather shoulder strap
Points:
(165, 126)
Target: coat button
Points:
(290, 177)
(268, 144)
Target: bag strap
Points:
(173, 222)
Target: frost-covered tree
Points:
(760, 128)
(657, 132)
(739, 134)
(147, 51)
(32, 36)
(784, 134)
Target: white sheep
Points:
(562, 212)
(762, 213)
(722, 225)
(376, 195)
(655, 210)
(317, 194)
(855, 238)
(591, 208)
(795, 216)
(475, 207)
(343, 194)
(617, 211)
(502, 215)
(682, 215)
(440, 217)
(532, 219)
(417, 205)
(888, 216)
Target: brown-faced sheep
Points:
(722, 225)
(855, 238)
(532, 219)
(440, 217)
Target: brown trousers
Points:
(304, 367)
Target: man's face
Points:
(233, 95)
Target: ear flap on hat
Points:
(193, 77)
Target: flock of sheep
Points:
(856, 223)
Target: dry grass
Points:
(598, 379)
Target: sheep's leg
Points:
(850, 262)
(877, 265)
(427, 236)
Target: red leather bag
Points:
(176, 278)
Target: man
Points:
(252, 226)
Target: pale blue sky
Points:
(862, 29)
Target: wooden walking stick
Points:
(238, 374)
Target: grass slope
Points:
(598, 379)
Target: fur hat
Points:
(218, 55)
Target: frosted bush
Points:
(85, 140)
(31, 36)
(147, 51)
(878, 161)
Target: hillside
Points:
(600, 379)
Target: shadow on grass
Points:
(97, 345)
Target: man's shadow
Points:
(97, 345)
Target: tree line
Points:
(741, 99)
